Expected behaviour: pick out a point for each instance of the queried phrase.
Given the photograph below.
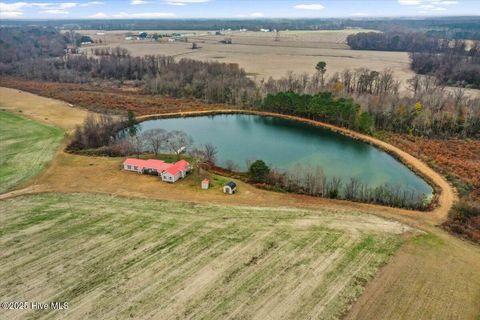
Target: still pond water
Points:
(285, 143)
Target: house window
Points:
(129, 167)
(135, 167)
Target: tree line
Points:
(395, 41)
(458, 64)
(323, 106)
(453, 62)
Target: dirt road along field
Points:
(42, 109)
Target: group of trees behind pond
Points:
(453, 62)
(323, 106)
(356, 98)
(352, 98)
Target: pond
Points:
(283, 144)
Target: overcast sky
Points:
(234, 9)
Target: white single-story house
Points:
(230, 187)
(136, 165)
(167, 171)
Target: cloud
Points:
(447, 3)
(188, 1)
(146, 15)
(55, 11)
(428, 6)
(409, 2)
(311, 6)
(92, 3)
(256, 15)
(138, 2)
(359, 14)
(15, 9)
(12, 7)
(98, 15)
(10, 14)
(184, 2)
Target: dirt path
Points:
(46, 110)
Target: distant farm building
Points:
(230, 187)
(85, 40)
(205, 183)
(169, 172)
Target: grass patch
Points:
(126, 258)
(428, 240)
(26, 146)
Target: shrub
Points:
(259, 171)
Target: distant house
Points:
(84, 40)
(167, 171)
(205, 183)
(71, 49)
(230, 187)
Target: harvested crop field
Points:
(113, 257)
(261, 56)
(26, 147)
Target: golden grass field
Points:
(262, 57)
(433, 275)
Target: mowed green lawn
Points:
(116, 258)
(25, 147)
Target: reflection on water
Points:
(284, 143)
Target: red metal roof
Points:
(158, 165)
(177, 167)
(135, 162)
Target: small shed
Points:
(230, 187)
(205, 183)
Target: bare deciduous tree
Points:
(155, 139)
(178, 141)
